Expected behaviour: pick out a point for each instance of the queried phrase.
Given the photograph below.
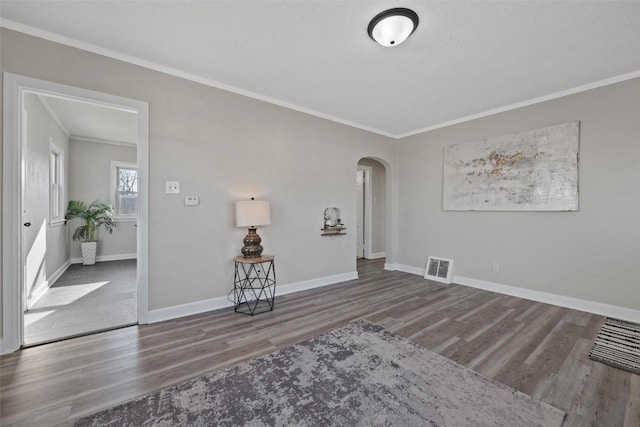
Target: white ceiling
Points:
(91, 122)
(466, 59)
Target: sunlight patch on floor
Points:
(84, 300)
(64, 295)
(30, 317)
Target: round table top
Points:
(263, 258)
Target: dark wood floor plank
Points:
(537, 348)
(632, 411)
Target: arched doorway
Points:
(372, 201)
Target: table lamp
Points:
(252, 213)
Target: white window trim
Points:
(59, 220)
(115, 164)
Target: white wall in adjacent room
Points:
(90, 179)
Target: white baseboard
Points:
(390, 266)
(377, 255)
(410, 269)
(49, 282)
(602, 309)
(198, 307)
(555, 299)
(59, 272)
(176, 311)
(39, 294)
(315, 283)
(99, 258)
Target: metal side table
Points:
(254, 285)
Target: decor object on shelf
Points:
(533, 170)
(95, 215)
(252, 213)
(393, 26)
(254, 284)
(360, 374)
(332, 217)
(333, 225)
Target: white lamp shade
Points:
(252, 213)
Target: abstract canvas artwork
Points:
(533, 170)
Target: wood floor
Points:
(536, 348)
(85, 299)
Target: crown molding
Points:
(532, 101)
(57, 38)
(80, 138)
(36, 32)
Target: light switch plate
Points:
(172, 187)
(192, 200)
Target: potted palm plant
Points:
(95, 215)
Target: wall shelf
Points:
(333, 231)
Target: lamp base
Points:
(252, 247)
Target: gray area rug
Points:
(618, 344)
(359, 375)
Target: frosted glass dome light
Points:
(393, 26)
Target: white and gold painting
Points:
(533, 170)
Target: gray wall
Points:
(222, 147)
(46, 242)
(378, 204)
(90, 179)
(591, 254)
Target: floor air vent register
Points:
(439, 269)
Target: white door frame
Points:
(368, 208)
(13, 176)
(359, 220)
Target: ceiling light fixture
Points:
(393, 26)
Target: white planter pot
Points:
(89, 252)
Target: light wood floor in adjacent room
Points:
(536, 348)
(85, 299)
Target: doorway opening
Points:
(371, 211)
(66, 144)
(82, 151)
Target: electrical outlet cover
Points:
(192, 200)
(172, 187)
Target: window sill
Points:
(57, 223)
(125, 218)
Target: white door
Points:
(35, 210)
(360, 213)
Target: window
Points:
(56, 190)
(125, 189)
